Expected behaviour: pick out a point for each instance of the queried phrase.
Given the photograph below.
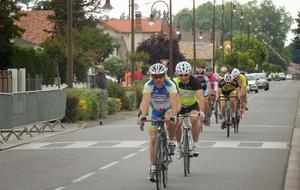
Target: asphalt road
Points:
(115, 157)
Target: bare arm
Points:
(199, 94)
(145, 103)
(175, 103)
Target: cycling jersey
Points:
(213, 82)
(187, 91)
(160, 96)
(242, 81)
(205, 82)
(228, 88)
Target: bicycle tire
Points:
(186, 156)
(227, 119)
(237, 117)
(216, 112)
(166, 159)
(158, 173)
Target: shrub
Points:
(114, 105)
(72, 107)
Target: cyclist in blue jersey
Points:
(159, 100)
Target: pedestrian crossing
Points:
(144, 144)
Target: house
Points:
(204, 46)
(38, 28)
(120, 31)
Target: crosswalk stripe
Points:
(143, 145)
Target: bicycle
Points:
(163, 158)
(228, 119)
(216, 112)
(237, 116)
(186, 142)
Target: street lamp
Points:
(213, 34)
(151, 22)
(232, 10)
(241, 28)
(107, 6)
(248, 34)
(194, 35)
(222, 33)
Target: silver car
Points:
(252, 83)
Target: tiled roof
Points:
(203, 50)
(36, 24)
(124, 26)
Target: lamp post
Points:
(194, 35)
(151, 22)
(213, 33)
(241, 28)
(232, 10)
(248, 34)
(222, 33)
(70, 43)
(132, 41)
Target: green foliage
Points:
(8, 30)
(145, 69)
(138, 89)
(114, 105)
(36, 62)
(92, 103)
(72, 107)
(139, 57)
(296, 31)
(115, 66)
(199, 63)
(241, 60)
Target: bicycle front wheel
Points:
(227, 118)
(159, 161)
(166, 161)
(186, 156)
(216, 112)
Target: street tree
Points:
(296, 40)
(9, 14)
(158, 48)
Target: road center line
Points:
(109, 165)
(83, 177)
(59, 188)
(129, 156)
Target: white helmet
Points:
(235, 72)
(183, 67)
(157, 69)
(228, 78)
(224, 69)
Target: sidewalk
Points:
(69, 128)
(292, 178)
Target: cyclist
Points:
(244, 74)
(224, 71)
(213, 80)
(159, 100)
(227, 87)
(191, 99)
(201, 75)
(242, 91)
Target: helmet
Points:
(157, 69)
(224, 69)
(183, 67)
(228, 78)
(235, 72)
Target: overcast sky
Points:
(292, 6)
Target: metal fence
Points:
(5, 81)
(27, 109)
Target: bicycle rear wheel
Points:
(186, 155)
(159, 161)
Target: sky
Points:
(119, 6)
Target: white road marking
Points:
(128, 144)
(59, 188)
(83, 177)
(109, 165)
(129, 156)
(143, 146)
(81, 144)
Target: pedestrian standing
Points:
(100, 80)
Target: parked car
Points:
(289, 77)
(252, 83)
(262, 81)
(281, 76)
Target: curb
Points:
(292, 178)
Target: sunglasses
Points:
(158, 76)
(184, 75)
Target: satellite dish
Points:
(136, 6)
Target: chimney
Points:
(138, 21)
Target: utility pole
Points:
(70, 43)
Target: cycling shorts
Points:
(188, 109)
(232, 94)
(155, 115)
